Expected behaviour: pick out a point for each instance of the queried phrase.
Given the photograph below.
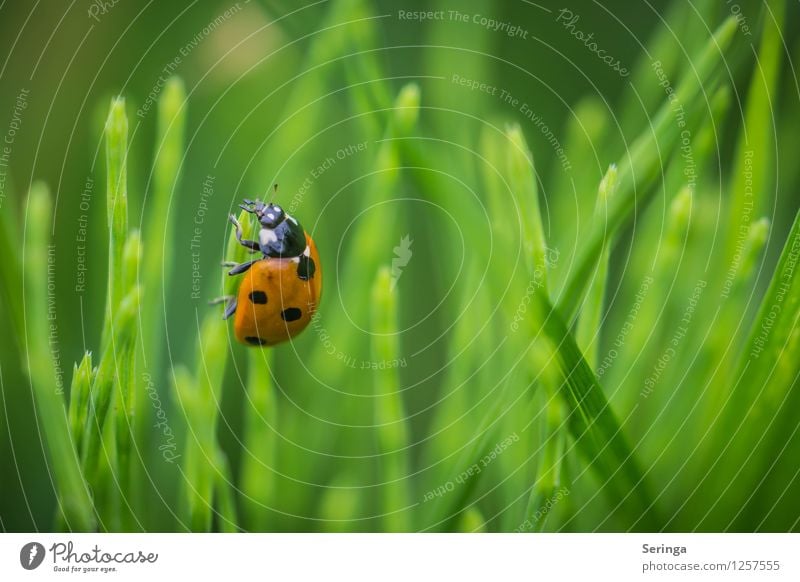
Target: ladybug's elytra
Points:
(281, 289)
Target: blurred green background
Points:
(276, 88)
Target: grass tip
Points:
(39, 199)
(724, 34)
(174, 90)
(681, 207)
(117, 121)
(609, 183)
(759, 231)
(517, 138)
(407, 106)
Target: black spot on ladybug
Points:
(306, 268)
(255, 341)
(291, 314)
(258, 297)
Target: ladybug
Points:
(281, 289)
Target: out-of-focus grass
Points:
(528, 427)
(641, 164)
(74, 502)
(390, 416)
(202, 393)
(162, 210)
(261, 426)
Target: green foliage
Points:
(390, 416)
(640, 165)
(522, 408)
(75, 505)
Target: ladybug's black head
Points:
(269, 215)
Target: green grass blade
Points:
(747, 431)
(722, 354)
(38, 257)
(116, 134)
(191, 491)
(79, 397)
(363, 254)
(114, 362)
(472, 521)
(588, 330)
(259, 458)
(681, 31)
(754, 162)
(390, 416)
(636, 169)
(226, 497)
(363, 72)
(591, 419)
(457, 411)
(340, 505)
(203, 394)
(125, 397)
(443, 511)
(211, 361)
(119, 321)
(600, 437)
(522, 179)
(548, 481)
(639, 350)
(769, 363)
(571, 196)
(301, 117)
(548, 478)
(157, 266)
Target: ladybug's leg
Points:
(242, 267)
(230, 307)
(249, 244)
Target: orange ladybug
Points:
(281, 289)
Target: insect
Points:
(280, 290)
